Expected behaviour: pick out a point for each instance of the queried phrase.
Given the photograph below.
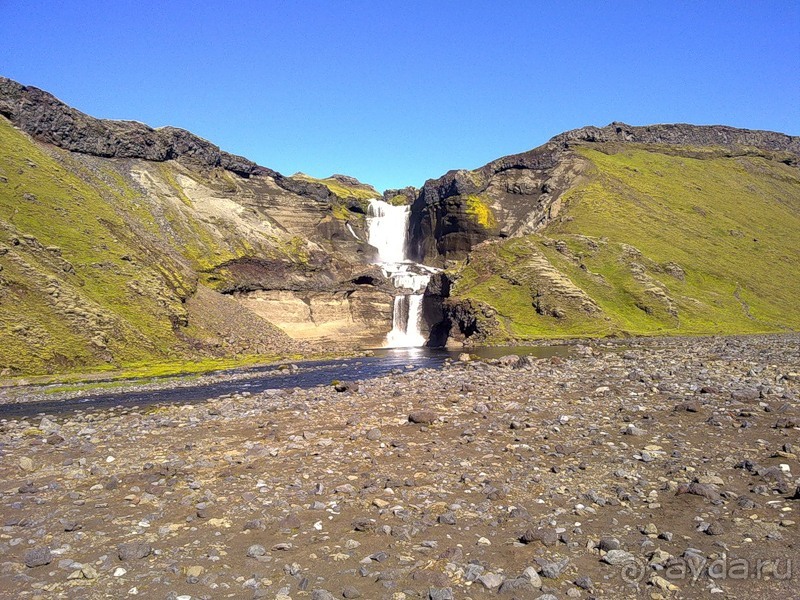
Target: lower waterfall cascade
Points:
(387, 228)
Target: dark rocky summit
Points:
(680, 134)
(47, 119)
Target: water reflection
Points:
(272, 377)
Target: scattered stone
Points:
(350, 592)
(491, 580)
(634, 431)
(715, 528)
(134, 550)
(440, 594)
(37, 557)
(281, 477)
(546, 536)
(608, 543)
(517, 584)
(552, 569)
(448, 518)
(585, 583)
(746, 395)
(532, 575)
(705, 490)
(617, 557)
(346, 386)
(423, 417)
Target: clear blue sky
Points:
(398, 92)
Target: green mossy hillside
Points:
(98, 258)
(342, 190)
(652, 243)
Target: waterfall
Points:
(387, 228)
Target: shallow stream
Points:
(273, 377)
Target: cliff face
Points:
(731, 139)
(47, 119)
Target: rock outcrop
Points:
(680, 134)
(45, 118)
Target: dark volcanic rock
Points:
(134, 550)
(37, 557)
(683, 134)
(44, 117)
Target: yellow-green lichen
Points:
(479, 211)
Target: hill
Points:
(121, 244)
(670, 229)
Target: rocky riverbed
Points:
(659, 469)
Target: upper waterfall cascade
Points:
(387, 228)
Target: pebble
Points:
(552, 569)
(440, 594)
(491, 580)
(380, 509)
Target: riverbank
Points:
(605, 473)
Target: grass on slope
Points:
(503, 276)
(339, 189)
(662, 244)
(100, 293)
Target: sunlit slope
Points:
(95, 269)
(693, 241)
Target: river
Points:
(273, 377)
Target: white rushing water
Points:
(387, 228)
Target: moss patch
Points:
(479, 211)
